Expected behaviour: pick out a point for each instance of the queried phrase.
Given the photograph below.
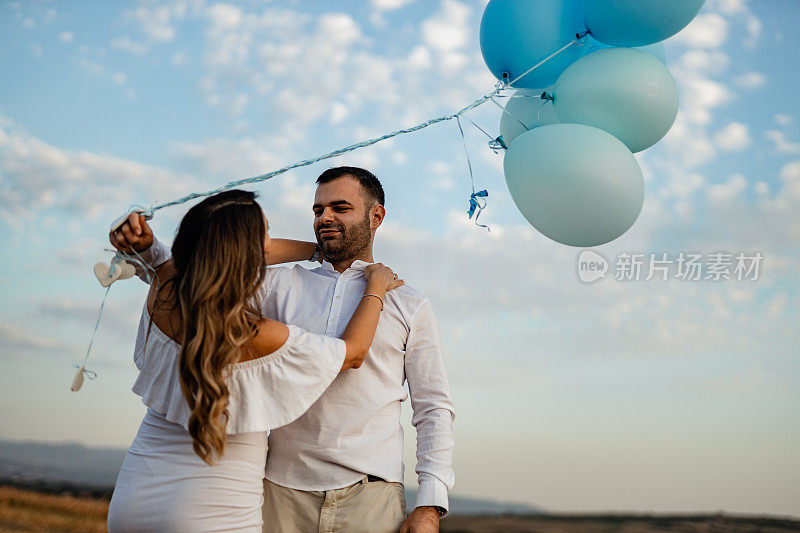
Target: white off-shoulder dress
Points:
(163, 485)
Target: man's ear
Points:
(377, 214)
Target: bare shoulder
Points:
(270, 335)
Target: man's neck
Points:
(341, 266)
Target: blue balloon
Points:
(624, 91)
(656, 50)
(525, 111)
(518, 34)
(576, 184)
(638, 22)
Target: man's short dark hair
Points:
(371, 185)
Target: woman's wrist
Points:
(375, 288)
(372, 295)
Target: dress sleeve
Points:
(156, 255)
(274, 390)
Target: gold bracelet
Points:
(376, 296)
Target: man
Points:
(339, 466)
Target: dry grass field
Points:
(27, 511)
(24, 510)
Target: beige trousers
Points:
(374, 507)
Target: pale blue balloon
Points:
(576, 184)
(517, 34)
(626, 92)
(638, 22)
(656, 50)
(524, 111)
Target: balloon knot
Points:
(498, 144)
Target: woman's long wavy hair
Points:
(218, 255)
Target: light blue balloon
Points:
(518, 34)
(656, 50)
(576, 184)
(626, 92)
(638, 22)
(524, 111)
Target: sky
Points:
(621, 394)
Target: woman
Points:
(216, 376)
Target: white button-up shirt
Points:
(354, 428)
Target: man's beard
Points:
(351, 241)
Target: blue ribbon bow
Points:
(476, 205)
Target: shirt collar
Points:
(357, 266)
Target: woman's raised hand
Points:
(380, 276)
(135, 234)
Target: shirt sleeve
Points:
(433, 409)
(155, 256)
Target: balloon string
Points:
(507, 112)
(473, 203)
(96, 326)
(539, 111)
(578, 37)
(483, 130)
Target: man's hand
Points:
(422, 520)
(133, 234)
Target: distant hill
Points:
(70, 463)
(462, 505)
(77, 468)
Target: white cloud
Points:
(707, 30)
(91, 66)
(707, 61)
(389, 5)
(782, 119)
(751, 80)
(339, 112)
(689, 143)
(754, 27)
(701, 95)
(725, 193)
(15, 337)
(728, 7)
(420, 58)
(447, 29)
(156, 22)
(223, 159)
(120, 78)
(339, 29)
(681, 185)
(180, 58)
(224, 17)
(733, 137)
(66, 37)
(37, 175)
(117, 315)
(781, 143)
(126, 44)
